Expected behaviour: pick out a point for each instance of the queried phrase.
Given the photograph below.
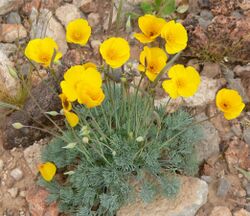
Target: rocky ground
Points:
(219, 48)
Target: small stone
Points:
(194, 63)
(13, 18)
(17, 174)
(8, 5)
(1, 165)
(211, 70)
(8, 48)
(32, 155)
(220, 211)
(240, 70)
(93, 19)
(13, 192)
(206, 15)
(204, 3)
(12, 32)
(241, 193)
(224, 187)
(242, 212)
(237, 129)
(67, 13)
(9, 182)
(246, 135)
(207, 179)
(86, 6)
(209, 145)
(22, 194)
(248, 188)
(95, 44)
(8, 84)
(204, 23)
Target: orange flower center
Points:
(225, 105)
(76, 36)
(45, 57)
(180, 83)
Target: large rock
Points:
(9, 85)
(192, 195)
(8, 48)
(242, 212)
(8, 5)
(205, 94)
(45, 25)
(67, 13)
(209, 145)
(12, 32)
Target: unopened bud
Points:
(70, 146)
(114, 153)
(17, 125)
(139, 139)
(85, 140)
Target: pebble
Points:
(22, 193)
(241, 193)
(211, 70)
(223, 188)
(246, 135)
(9, 182)
(242, 212)
(206, 15)
(86, 6)
(67, 13)
(93, 19)
(12, 32)
(248, 189)
(95, 44)
(13, 192)
(207, 179)
(1, 165)
(13, 18)
(17, 174)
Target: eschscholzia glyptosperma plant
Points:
(115, 135)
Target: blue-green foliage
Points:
(129, 141)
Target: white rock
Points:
(32, 155)
(95, 44)
(1, 165)
(209, 145)
(67, 13)
(45, 25)
(205, 94)
(12, 32)
(192, 195)
(17, 174)
(8, 5)
(9, 85)
(242, 212)
(13, 192)
(220, 211)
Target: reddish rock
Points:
(37, 4)
(220, 211)
(237, 155)
(11, 32)
(223, 7)
(36, 198)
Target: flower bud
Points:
(17, 125)
(139, 139)
(85, 140)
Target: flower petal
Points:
(47, 170)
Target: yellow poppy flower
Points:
(47, 170)
(78, 31)
(183, 81)
(83, 84)
(65, 103)
(115, 51)
(176, 37)
(90, 97)
(71, 118)
(151, 27)
(230, 103)
(42, 51)
(154, 59)
(89, 65)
